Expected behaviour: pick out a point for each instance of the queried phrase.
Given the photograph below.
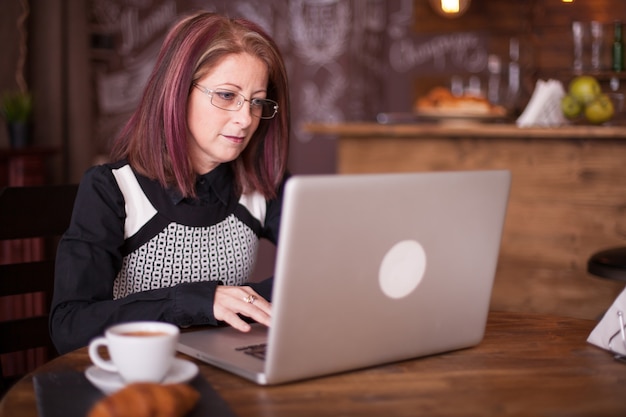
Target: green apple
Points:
(571, 107)
(584, 88)
(600, 109)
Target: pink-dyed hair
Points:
(154, 140)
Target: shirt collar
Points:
(215, 185)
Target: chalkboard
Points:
(440, 54)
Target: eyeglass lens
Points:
(229, 100)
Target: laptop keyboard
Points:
(258, 350)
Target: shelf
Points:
(484, 131)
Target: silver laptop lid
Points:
(376, 268)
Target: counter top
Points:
(480, 130)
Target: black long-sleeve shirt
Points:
(136, 251)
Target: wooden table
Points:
(527, 365)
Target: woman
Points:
(169, 231)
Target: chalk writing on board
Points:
(119, 87)
(320, 30)
(136, 32)
(440, 53)
(400, 20)
(320, 35)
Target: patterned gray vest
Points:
(225, 251)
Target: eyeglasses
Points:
(233, 101)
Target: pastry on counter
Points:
(441, 101)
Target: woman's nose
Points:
(243, 116)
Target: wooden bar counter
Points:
(567, 201)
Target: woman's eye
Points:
(257, 102)
(226, 95)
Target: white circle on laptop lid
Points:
(402, 269)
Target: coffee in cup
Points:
(141, 351)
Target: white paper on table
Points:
(610, 331)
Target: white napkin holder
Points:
(544, 107)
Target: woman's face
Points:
(216, 135)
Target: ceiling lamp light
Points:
(450, 8)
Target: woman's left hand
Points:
(230, 301)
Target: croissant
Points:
(147, 399)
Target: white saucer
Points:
(109, 382)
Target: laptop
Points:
(371, 269)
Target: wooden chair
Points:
(31, 221)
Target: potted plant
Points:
(16, 108)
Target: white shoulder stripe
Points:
(138, 208)
(255, 203)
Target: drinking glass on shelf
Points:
(493, 83)
(597, 38)
(456, 85)
(473, 86)
(578, 36)
(514, 75)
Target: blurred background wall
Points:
(87, 62)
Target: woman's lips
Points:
(235, 139)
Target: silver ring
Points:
(249, 298)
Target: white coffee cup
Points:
(140, 351)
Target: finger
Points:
(257, 309)
(233, 319)
(231, 316)
(261, 303)
(226, 308)
(257, 315)
(231, 301)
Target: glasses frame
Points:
(210, 92)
